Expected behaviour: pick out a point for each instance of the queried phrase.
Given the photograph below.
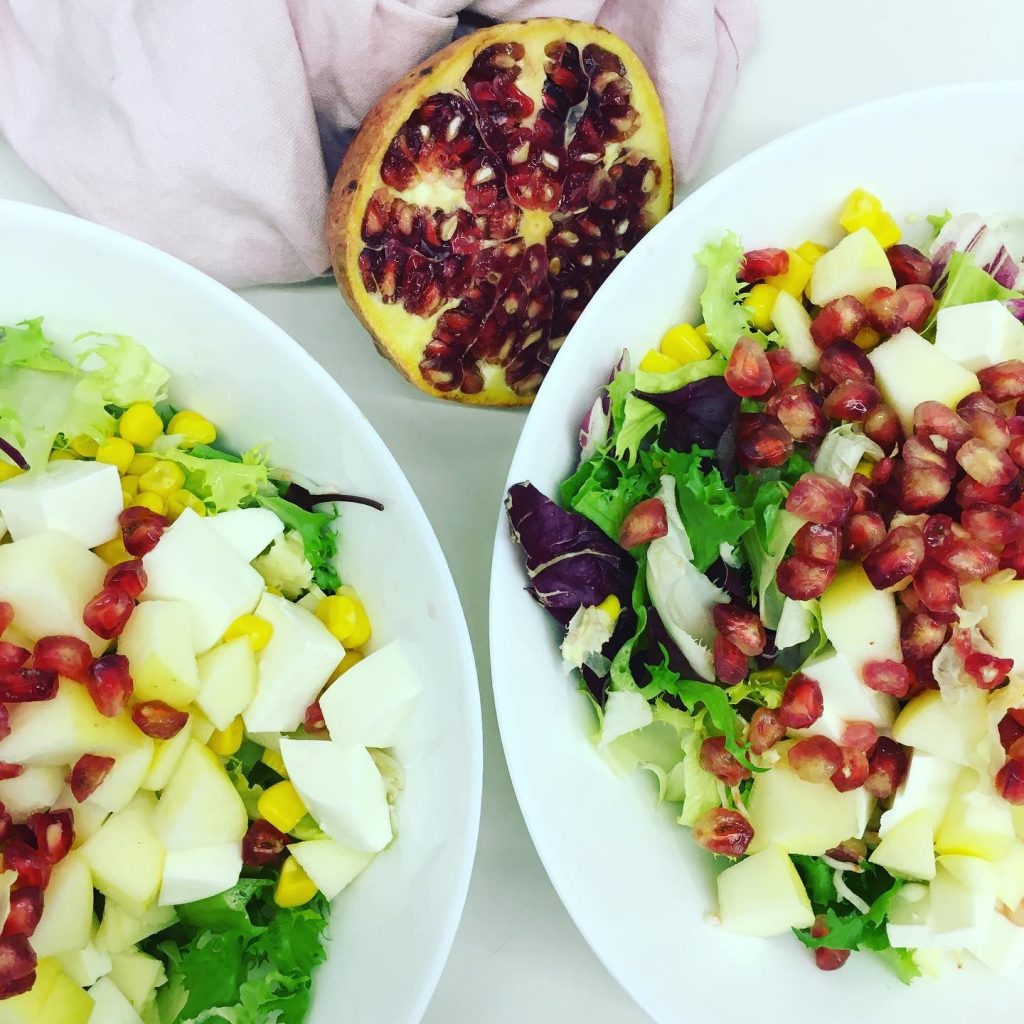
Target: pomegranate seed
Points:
(921, 636)
(962, 642)
(850, 851)
(898, 556)
(987, 425)
(802, 702)
(970, 493)
(724, 832)
(853, 772)
(785, 369)
(141, 529)
(817, 543)
(5, 722)
(989, 467)
(862, 533)
(909, 265)
(17, 987)
(12, 656)
(864, 497)
(17, 966)
(766, 729)
(838, 320)
(1003, 382)
(799, 410)
(1015, 424)
(968, 559)
(815, 759)
(644, 522)
(1010, 731)
(110, 684)
(65, 655)
(31, 866)
(844, 363)
(976, 401)
(25, 912)
(87, 774)
(128, 576)
(921, 453)
(313, 720)
(1015, 449)
(802, 579)
(159, 720)
(1010, 781)
(993, 524)
(861, 736)
(891, 311)
(886, 676)
(826, 959)
(882, 425)
(714, 758)
(922, 489)
(937, 587)
(757, 264)
(762, 442)
(27, 685)
(742, 627)
(852, 401)
(887, 767)
(10, 771)
(107, 613)
(938, 532)
(748, 372)
(54, 832)
(6, 615)
(881, 472)
(263, 844)
(987, 670)
(820, 499)
(1012, 557)
(729, 661)
(933, 419)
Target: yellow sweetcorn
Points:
(611, 606)
(864, 467)
(164, 478)
(181, 500)
(225, 742)
(294, 886)
(257, 630)
(760, 302)
(130, 485)
(8, 471)
(864, 210)
(84, 446)
(282, 806)
(867, 338)
(141, 424)
(151, 500)
(62, 455)
(885, 229)
(351, 658)
(117, 452)
(657, 362)
(702, 330)
(795, 279)
(344, 615)
(684, 344)
(274, 761)
(810, 252)
(194, 427)
(113, 552)
(276, 591)
(142, 463)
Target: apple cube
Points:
(49, 578)
(35, 789)
(124, 780)
(979, 334)
(81, 499)
(1002, 623)
(166, 755)
(66, 1003)
(845, 698)
(927, 788)
(157, 641)
(343, 790)
(120, 929)
(977, 822)
(856, 266)
(907, 849)
(861, 622)
(66, 924)
(200, 803)
(88, 817)
(137, 975)
(192, 564)
(227, 680)
(330, 866)
(1002, 949)
(293, 667)
(199, 872)
(27, 1008)
(934, 725)
(961, 901)
(111, 1005)
(793, 323)
(1010, 876)
(907, 924)
(126, 856)
(250, 531)
(763, 895)
(85, 966)
(910, 370)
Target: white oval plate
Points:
(633, 881)
(393, 928)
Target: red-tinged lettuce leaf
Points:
(570, 562)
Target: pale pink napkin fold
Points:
(210, 128)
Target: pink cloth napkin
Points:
(211, 128)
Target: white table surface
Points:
(518, 956)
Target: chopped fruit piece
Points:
(683, 344)
(793, 324)
(658, 362)
(329, 865)
(723, 832)
(794, 279)
(763, 895)
(294, 886)
(887, 767)
(716, 759)
(282, 806)
(909, 265)
(158, 720)
(757, 264)
(193, 427)
(66, 655)
(748, 372)
(837, 321)
(897, 558)
(644, 522)
(263, 845)
(856, 266)
(815, 759)
(907, 849)
(110, 684)
(760, 302)
(88, 772)
(766, 729)
(801, 702)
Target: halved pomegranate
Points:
(488, 195)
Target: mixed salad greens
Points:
(789, 568)
(194, 738)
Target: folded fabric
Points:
(212, 128)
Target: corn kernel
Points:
(141, 424)
(84, 446)
(859, 209)
(282, 806)
(344, 615)
(113, 552)
(258, 631)
(226, 742)
(294, 886)
(164, 478)
(810, 252)
(117, 452)
(276, 591)
(702, 331)
(684, 344)
(62, 455)
(867, 338)
(181, 500)
(130, 485)
(864, 467)
(151, 500)
(760, 302)
(795, 279)
(142, 463)
(274, 761)
(657, 362)
(767, 677)
(351, 658)
(193, 426)
(8, 471)
(885, 229)
(611, 606)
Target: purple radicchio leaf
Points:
(969, 233)
(570, 562)
(1016, 307)
(13, 454)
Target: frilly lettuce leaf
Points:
(120, 371)
(604, 489)
(319, 540)
(26, 345)
(639, 418)
(725, 319)
(223, 484)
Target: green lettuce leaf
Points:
(26, 345)
(620, 388)
(966, 282)
(639, 418)
(120, 371)
(938, 221)
(661, 383)
(222, 483)
(725, 318)
(318, 537)
(605, 488)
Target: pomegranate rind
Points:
(400, 336)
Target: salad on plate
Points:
(195, 737)
(789, 568)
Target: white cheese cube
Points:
(979, 334)
(927, 787)
(845, 698)
(856, 266)
(293, 667)
(111, 1007)
(1002, 949)
(343, 790)
(370, 703)
(203, 871)
(248, 530)
(330, 866)
(81, 499)
(194, 565)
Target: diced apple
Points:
(111, 1005)
(907, 850)
(66, 924)
(845, 698)
(199, 872)
(81, 499)
(343, 790)
(330, 866)
(803, 817)
(293, 667)
(88, 817)
(910, 370)
(192, 564)
(166, 755)
(977, 822)
(907, 924)
(1002, 949)
(67, 1003)
(979, 334)
(250, 531)
(35, 789)
(49, 578)
(793, 323)
(137, 975)
(960, 913)
(28, 1007)
(126, 856)
(120, 929)
(861, 622)
(157, 641)
(1002, 623)
(927, 788)
(763, 895)
(85, 966)
(1010, 876)
(934, 725)
(227, 680)
(856, 266)
(125, 779)
(200, 803)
